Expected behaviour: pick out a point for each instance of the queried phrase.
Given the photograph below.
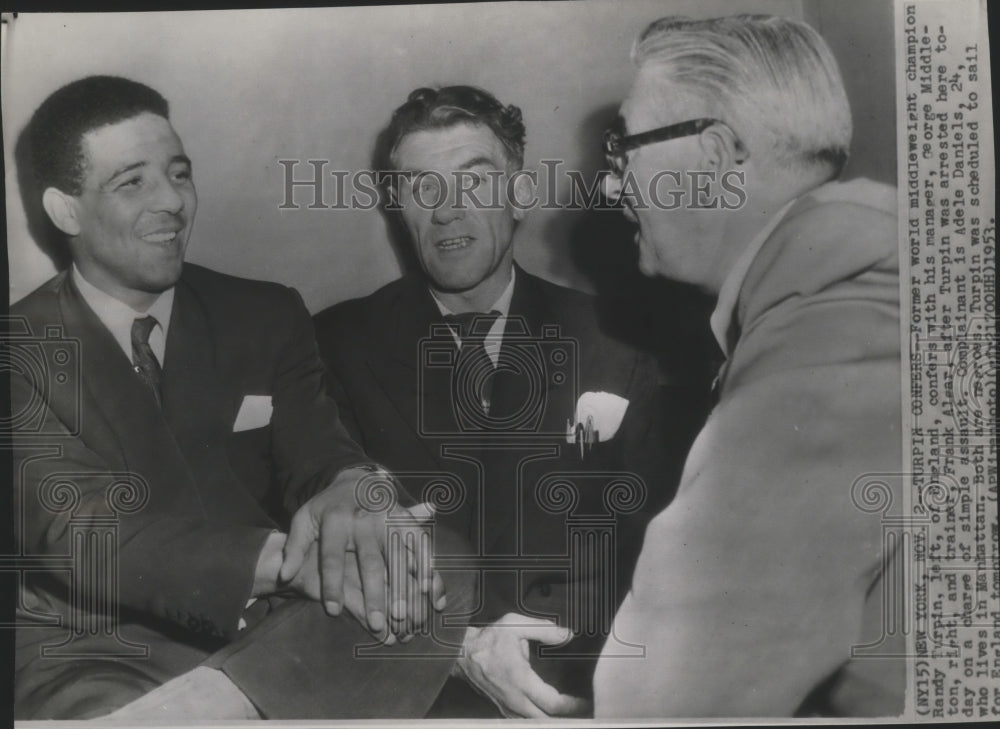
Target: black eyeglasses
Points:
(617, 144)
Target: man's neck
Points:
(138, 300)
(477, 299)
(742, 226)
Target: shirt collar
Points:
(725, 307)
(502, 304)
(118, 316)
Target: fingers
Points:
(307, 580)
(547, 700)
(497, 663)
(371, 566)
(516, 705)
(301, 534)
(422, 512)
(399, 582)
(354, 599)
(438, 598)
(334, 537)
(529, 628)
(420, 548)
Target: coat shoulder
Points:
(840, 234)
(359, 314)
(243, 305)
(41, 306)
(574, 307)
(209, 283)
(576, 313)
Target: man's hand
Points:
(306, 583)
(265, 575)
(346, 531)
(496, 662)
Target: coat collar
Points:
(111, 387)
(417, 317)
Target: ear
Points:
(61, 209)
(721, 150)
(523, 190)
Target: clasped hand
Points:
(340, 553)
(496, 661)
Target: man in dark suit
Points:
(175, 428)
(477, 378)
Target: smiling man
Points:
(764, 589)
(201, 395)
(466, 373)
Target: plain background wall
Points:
(248, 88)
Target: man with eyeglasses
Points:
(755, 584)
(466, 373)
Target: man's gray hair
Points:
(773, 80)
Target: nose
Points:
(167, 198)
(449, 210)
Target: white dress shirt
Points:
(118, 317)
(494, 337)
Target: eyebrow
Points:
(182, 158)
(480, 161)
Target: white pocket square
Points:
(600, 414)
(255, 412)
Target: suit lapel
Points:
(409, 363)
(515, 384)
(190, 375)
(147, 445)
(516, 395)
(199, 405)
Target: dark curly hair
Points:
(55, 132)
(428, 108)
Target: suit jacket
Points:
(201, 499)
(754, 584)
(391, 361)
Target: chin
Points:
(647, 267)
(454, 281)
(160, 283)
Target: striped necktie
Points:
(146, 364)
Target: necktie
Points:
(474, 370)
(146, 364)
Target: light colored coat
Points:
(754, 584)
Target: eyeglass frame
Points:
(616, 144)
